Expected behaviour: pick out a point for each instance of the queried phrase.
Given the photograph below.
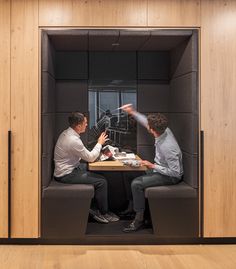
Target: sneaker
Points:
(134, 226)
(111, 217)
(98, 216)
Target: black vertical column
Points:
(9, 183)
(202, 183)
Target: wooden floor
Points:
(124, 257)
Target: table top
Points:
(114, 166)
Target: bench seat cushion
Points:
(57, 189)
(180, 190)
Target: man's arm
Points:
(89, 156)
(173, 169)
(142, 119)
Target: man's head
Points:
(78, 122)
(157, 123)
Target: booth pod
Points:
(164, 66)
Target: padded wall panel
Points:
(164, 40)
(131, 40)
(70, 39)
(48, 55)
(47, 169)
(48, 133)
(102, 40)
(144, 137)
(190, 166)
(62, 124)
(112, 65)
(153, 96)
(146, 152)
(48, 93)
(71, 65)
(72, 95)
(183, 94)
(153, 65)
(185, 128)
(184, 58)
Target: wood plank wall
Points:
(218, 49)
(93, 13)
(25, 118)
(218, 83)
(4, 112)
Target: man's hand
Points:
(148, 164)
(103, 138)
(128, 108)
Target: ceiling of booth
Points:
(117, 40)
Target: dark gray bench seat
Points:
(65, 209)
(174, 210)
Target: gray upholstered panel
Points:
(184, 57)
(112, 65)
(153, 96)
(48, 133)
(181, 190)
(153, 65)
(71, 65)
(65, 210)
(62, 190)
(62, 124)
(174, 211)
(183, 93)
(69, 39)
(144, 137)
(185, 128)
(48, 55)
(48, 93)
(72, 95)
(146, 152)
(131, 40)
(162, 39)
(47, 169)
(102, 40)
(190, 165)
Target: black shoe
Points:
(127, 212)
(134, 226)
(98, 216)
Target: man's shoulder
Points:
(170, 143)
(69, 136)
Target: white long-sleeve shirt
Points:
(168, 156)
(69, 150)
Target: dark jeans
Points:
(81, 176)
(151, 179)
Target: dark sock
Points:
(139, 216)
(130, 205)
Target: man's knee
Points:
(137, 183)
(101, 182)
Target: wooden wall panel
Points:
(93, 13)
(176, 13)
(218, 80)
(218, 95)
(24, 118)
(4, 112)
